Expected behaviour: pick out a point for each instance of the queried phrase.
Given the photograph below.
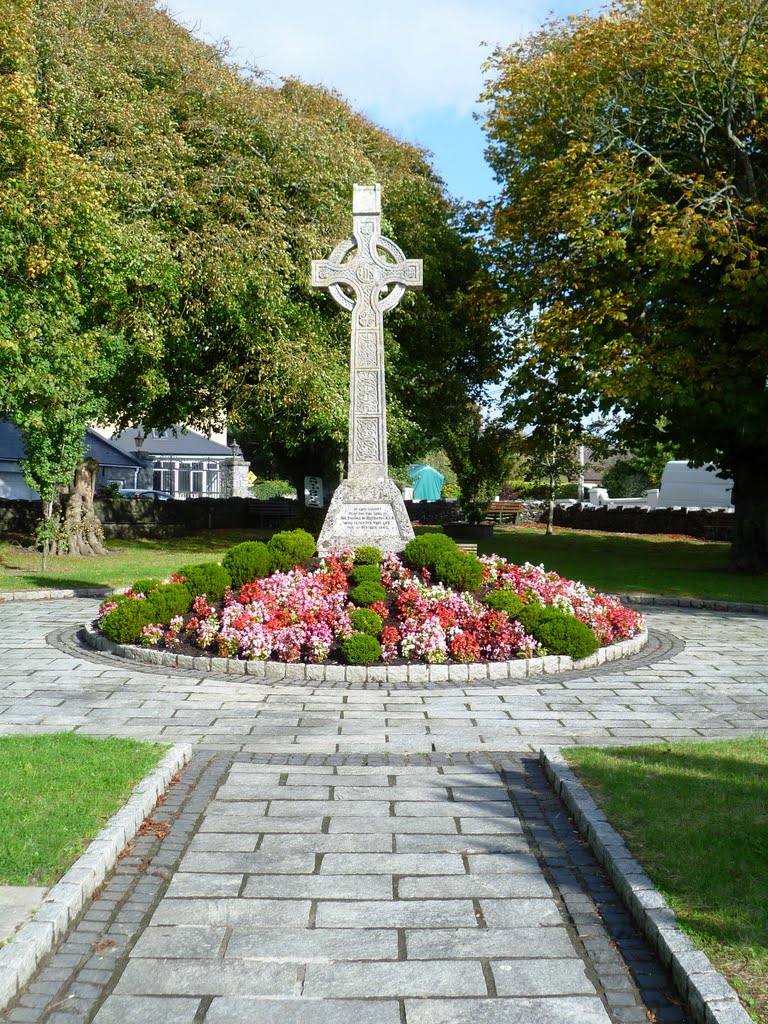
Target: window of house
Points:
(187, 479)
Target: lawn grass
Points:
(613, 563)
(696, 817)
(56, 792)
(631, 563)
(128, 560)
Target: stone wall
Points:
(127, 518)
(124, 518)
(19, 516)
(704, 524)
(433, 513)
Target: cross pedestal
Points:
(367, 275)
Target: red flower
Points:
(445, 616)
(407, 603)
(250, 592)
(464, 647)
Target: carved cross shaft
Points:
(376, 273)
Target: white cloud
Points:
(395, 60)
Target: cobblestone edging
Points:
(62, 904)
(705, 604)
(58, 595)
(272, 671)
(710, 998)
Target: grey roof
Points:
(186, 443)
(11, 446)
(105, 452)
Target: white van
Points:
(699, 487)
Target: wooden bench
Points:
(272, 511)
(503, 511)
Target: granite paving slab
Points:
(367, 851)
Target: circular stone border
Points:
(276, 671)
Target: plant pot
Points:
(468, 531)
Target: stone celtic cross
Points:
(367, 275)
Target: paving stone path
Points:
(343, 853)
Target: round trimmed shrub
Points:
(366, 574)
(367, 554)
(365, 621)
(533, 613)
(360, 649)
(123, 625)
(504, 601)
(459, 570)
(290, 548)
(565, 634)
(144, 586)
(168, 600)
(247, 561)
(422, 551)
(367, 593)
(207, 578)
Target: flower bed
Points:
(366, 607)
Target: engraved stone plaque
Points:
(368, 519)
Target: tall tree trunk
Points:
(47, 520)
(749, 550)
(83, 534)
(551, 507)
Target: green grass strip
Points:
(631, 564)
(56, 792)
(613, 563)
(128, 560)
(696, 817)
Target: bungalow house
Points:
(185, 463)
(182, 462)
(115, 464)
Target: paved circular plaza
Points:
(349, 853)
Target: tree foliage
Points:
(159, 209)
(481, 454)
(630, 232)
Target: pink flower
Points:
(302, 616)
(425, 640)
(151, 635)
(201, 607)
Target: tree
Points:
(440, 346)
(632, 222)
(626, 479)
(481, 454)
(545, 404)
(64, 255)
(159, 209)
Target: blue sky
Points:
(414, 68)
